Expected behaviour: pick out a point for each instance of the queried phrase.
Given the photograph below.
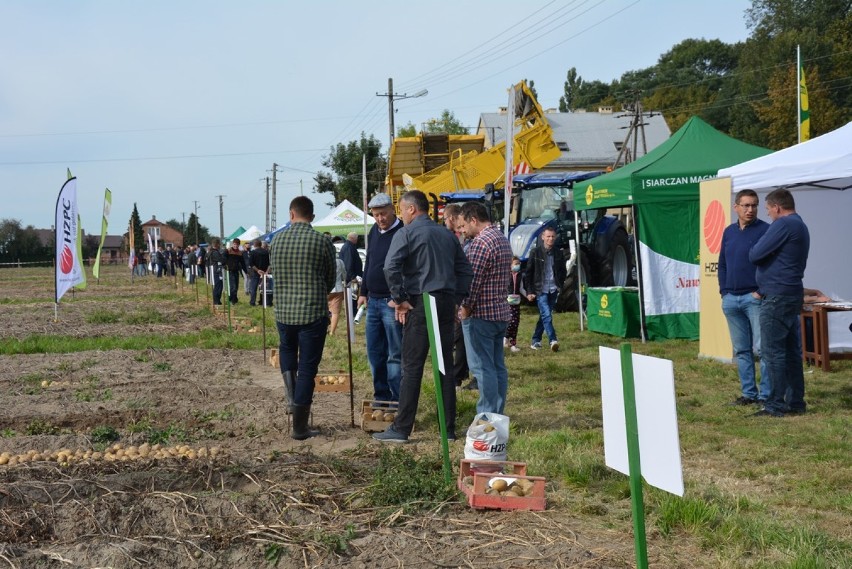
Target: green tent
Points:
(237, 232)
(662, 187)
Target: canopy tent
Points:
(237, 232)
(343, 219)
(268, 236)
(662, 187)
(813, 171)
(250, 234)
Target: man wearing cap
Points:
(384, 332)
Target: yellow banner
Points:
(715, 211)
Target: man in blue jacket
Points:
(781, 256)
(740, 301)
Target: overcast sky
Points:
(171, 102)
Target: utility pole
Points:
(196, 222)
(267, 206)
(635, 130)
(221, 217)
(301, 188)
(273, 215)
(183, 224)
(391, 96)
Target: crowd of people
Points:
(465, 265)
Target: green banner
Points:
(107, 206)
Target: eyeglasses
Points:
(748, 205)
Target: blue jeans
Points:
(384, 349)
(300, 350)
(546, 301)
(743, 315)
(484, 344)
(780, 345)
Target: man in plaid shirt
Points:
(485, 312)
(303, 264)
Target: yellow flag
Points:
(804, 108)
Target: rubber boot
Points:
(301, 413)
(289, 388)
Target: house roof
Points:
(587, 140)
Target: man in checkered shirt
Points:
(303, 264)
(485, 312)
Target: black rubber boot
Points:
(289, 388)
(301, 413)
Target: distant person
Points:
(383, 331)
(303, 264)
(740, 301)
(423, 258)
(258, 268)
(543, 280)
(513, 299)
(215, 262)
(461, 371)
(781, 256)
(484, 312)
(234, 264)
(335, 297)
(350, 257)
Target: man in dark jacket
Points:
(215, 262)
(351, 259)
(234, 263)
(543, 281)
(258, 267)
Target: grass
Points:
(759, 493)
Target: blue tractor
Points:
(545, 200)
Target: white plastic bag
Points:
(487, 437)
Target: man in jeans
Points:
(423, 258)
(544, 278)
(383, 331)
(304, 265)
(781, 256)
(740, 303)
(485, 312)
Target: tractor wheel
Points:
(567, 299)
(615, 266)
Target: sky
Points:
(171, 103)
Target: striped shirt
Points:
(491, 258)
(303, 264)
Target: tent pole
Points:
(579, 265)
(638, 273)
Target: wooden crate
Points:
(482, 472)
(322, 382)
(373, 425)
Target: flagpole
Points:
(799, 94)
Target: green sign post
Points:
(435, 349)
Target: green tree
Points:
(195, 232)
(580, 94)
(344, 161)
(136, 227)
(407, 131)
(21, 244)
(447, 123)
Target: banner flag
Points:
(804, 108)
(131, 258)
(150, 253)
(68, 268)
(107, 206)
(82, 284)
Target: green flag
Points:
(107, 206)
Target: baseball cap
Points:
(380, 200)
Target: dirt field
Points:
(235, 490)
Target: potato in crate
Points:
(500, 485)
(377, 416)
(332, 382)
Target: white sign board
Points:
(656, 415)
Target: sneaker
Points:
(514, 349)
(742, 401)
(554, 346)
(535, 346)
(390, 435)
(505, 342)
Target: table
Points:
(815, 336)
(614, 311)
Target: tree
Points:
(18, 244)
(344, 160)
(531, 84)
(407, 131)
(176, 225)
(579, 94)
(136, 227)
(195, 232)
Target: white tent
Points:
(250, 234)
(819, 174)
(344, 219)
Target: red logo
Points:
(714, 226)
(480, 446)
(66, 260)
